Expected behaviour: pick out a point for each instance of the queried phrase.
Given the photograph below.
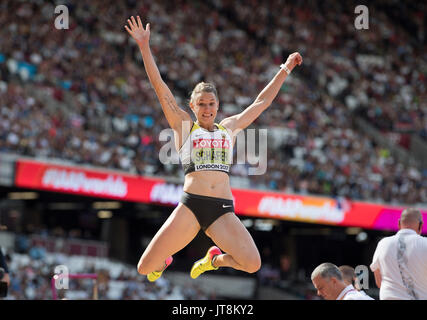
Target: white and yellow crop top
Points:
(207, 150)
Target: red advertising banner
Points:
(81, 181)
(113, 185)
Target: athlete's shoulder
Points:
(194, 127)
(222, 127)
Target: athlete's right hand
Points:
(137, 31)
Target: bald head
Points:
(411, 218)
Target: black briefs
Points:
(206, 209)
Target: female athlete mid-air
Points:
(205, 150)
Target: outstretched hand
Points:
(293, 60)
(137, 31)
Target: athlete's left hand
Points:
(293, 60)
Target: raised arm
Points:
(265, 98)
(174, 114)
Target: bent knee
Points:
(143, 268)
(253, 265)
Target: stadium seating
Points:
(82, 94)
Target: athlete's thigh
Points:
(178, 230)
(229, 233)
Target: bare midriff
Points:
(208, 183)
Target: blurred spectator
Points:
(31, 279)
(4, 275)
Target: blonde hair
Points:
(203, 87)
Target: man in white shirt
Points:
(400, 261)
(329, 283)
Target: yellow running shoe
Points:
(153, 276)
(205, 264)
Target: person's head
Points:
(328, 281)
(204, 103)
(411, 218)
(348, 274)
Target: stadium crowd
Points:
(112, 117)
(31, 275)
